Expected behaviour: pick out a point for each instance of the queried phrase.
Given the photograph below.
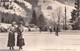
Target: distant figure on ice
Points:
(40, 28)
(56, 30)
(50, 29)
(11, 36)
(20, 39)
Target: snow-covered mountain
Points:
(19, 7)
(49, 8)
(52, 9)
(68, 2)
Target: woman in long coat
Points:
(11, 36)
(20, 39)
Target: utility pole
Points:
(65, 19)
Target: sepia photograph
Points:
(39, 25)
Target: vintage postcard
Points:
(39, 25)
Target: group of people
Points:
(56, 30)
(13, 29)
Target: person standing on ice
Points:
(20, 39)
(11, 36)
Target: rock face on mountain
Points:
(53, 9)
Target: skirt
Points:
(11, 40)
(20, 41)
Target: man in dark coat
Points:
(57, 30)
(11, 36)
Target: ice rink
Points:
(44, 41)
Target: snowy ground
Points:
(36, 41)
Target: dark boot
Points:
(20, 47)
(10, 48)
